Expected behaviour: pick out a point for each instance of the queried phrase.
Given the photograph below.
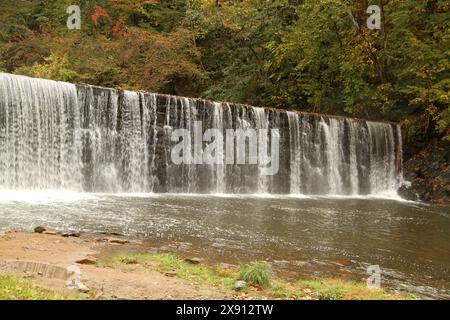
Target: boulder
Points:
(428, 173)
(87, 260)
(70, 234)
(39, 229)
(240, 285)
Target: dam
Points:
(62, 136)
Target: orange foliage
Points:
(98, 13)
(119, 29)
(130, 4)
(153, 61)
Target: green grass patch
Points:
(172, 264)
(336, 289)
(197, 273)
(15, 288)
(129, 260)
(255, 273)
(285, 292)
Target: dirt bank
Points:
(45, 257)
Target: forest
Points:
(311, 55)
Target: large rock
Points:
(70, 234)
(428, 175)
(240, 285)
(87, 260)
(39, 229)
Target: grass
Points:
(256, 274)
(337, 289)
(129, 260)
(15, 288)
(169, 263)
(285, 292)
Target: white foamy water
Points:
(60, 136)
(44, 196)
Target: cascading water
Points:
(261, 123)
(39, 134)
(218, 169)
(55, 135)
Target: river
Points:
(299, 236)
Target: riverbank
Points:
(33, 266)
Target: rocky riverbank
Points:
(427, 175)
(52, 265)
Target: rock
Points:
(119, 241)
(240, 285)
(70, 234)
(39, 229)
(428, 172)
(87, 260)
(410, 176)
(408, 193)
(170, 274)
(193, 260)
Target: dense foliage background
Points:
(310, 55)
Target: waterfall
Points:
(295, 152)
(219, 169)
(331, 156)
(56, 135)
(261, 123)
(39, 136)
